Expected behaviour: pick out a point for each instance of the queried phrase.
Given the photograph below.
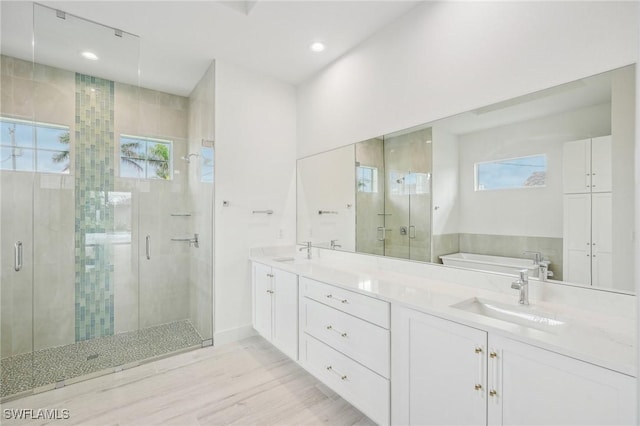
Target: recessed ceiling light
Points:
(317, 46)
(89, 55)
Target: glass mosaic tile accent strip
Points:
(94, 179)
(27, 371)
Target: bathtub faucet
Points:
(543, 265)
(538, 256)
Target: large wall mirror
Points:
(543, 181)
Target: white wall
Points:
(448, 57)
(255, 170)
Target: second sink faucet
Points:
(334, 244)
(307, 248)
(523, 285)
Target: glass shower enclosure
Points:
(101, 265)
(393, 195)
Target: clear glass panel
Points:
(16, 212)
(85, 282)
(370, 195)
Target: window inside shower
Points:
(34, 147)
(145, 158)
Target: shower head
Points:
(187, 157)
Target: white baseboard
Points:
(233, 334)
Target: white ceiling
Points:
(179, 39)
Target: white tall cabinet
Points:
(275, 307)
(587, 212)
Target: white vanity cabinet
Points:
(529, 385)
(446, 373)
(275, 307)
(438, 369)
(345, 343)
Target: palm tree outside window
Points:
(145, 158)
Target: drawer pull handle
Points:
(330, 327)
(478, 387)
(342, 376)
(270, 275)
(493, 393)
(270, 291)
(478, 350)
(493, 355)
(330, 296)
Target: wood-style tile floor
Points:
(243, 383)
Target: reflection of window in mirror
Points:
(206, 164)
(367, 179)
(512, 173)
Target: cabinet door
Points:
(262, 300)
(602, 240)
(576, 175)
(537, 387)
(601, 164)
(438, 369)
(577, 238)
(285, 312)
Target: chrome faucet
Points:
(523, 285)
(307, 248)
(334, 244)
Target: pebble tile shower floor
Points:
(26, 371)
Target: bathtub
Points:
(483, 262)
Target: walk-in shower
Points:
(94, 278)
(393, 179)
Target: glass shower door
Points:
(85, 279)
(16, 275)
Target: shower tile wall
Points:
(94, 181)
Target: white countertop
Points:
(604, 340)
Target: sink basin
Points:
(284, 259)
(526, 316)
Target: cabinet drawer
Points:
(365, 307)
(360, 386)
(361, 340)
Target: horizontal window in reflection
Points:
(512, 173)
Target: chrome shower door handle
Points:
(412, 231)
(382, 233)
(17, 256)
(148, 247)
